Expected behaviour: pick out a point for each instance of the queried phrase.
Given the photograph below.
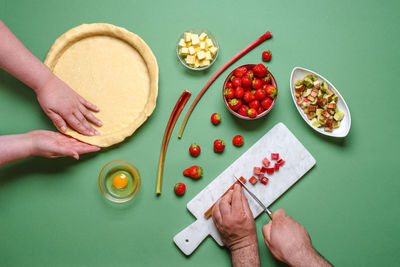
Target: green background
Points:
(53, 214)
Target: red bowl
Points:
(265, 112)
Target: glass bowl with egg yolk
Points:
(119, 181)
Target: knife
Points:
(255, 198)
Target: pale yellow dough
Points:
(113, 69)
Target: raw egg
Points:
(120, 181)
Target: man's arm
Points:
(62, 104)
(290, 242)
(234, 221)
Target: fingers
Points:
(89, 115)
(279, 213)
(266, 230)
(216, 214)
(65, 151)
(82, 148)
(88, 104)
(80, 124)
(237, 198)
(58, 121)
(225, 204)
(245, 204)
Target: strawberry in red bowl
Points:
(252, 91)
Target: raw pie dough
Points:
(113, 69)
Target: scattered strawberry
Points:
(270, 90)
(243, 110)
(248, 97)
(215, 118)
(237, 140)
(229, 93)
(236, 82)
(260, 94)
(264, 180)
(229, 85)
(266, 55)
(194, 150)
(180, 189)
(257, 83)
(239, 72)
(253, 180)
(235, 104)
(246, 81)
(239, 92)
(219, 145)
(252, 113)
(254, 104)
(260, 70)
(266, 103)
(275, 156)
(193, 172)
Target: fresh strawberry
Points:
(219, 145)
(266, 103)
(253, 180)
(248, 97)
(270, 170)
(266, 79)
(243, 110)
(276, 167)
(254, 104)
(260, 70)
(235, 104)
(260, 110)
(266, 55)
(229, 85)
(249, 74)
(257, 170)
(180, 189)
(237, 140)
(260, 94)
(257, 83)
(236, 82)
(193, 172)
(275, 156)
(270, 90)
(229, 93)
(246, 81)
(239, 92)
(194, 150)
(215, 118)
(239, 72)
(266, 162)
(252, 113)
(264, 180)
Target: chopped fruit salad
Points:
(198, 50)
(318, 102)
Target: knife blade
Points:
(255, 198)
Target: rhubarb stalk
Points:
(167, 134)
(264, 37)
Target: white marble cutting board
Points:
(297, 162)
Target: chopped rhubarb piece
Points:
(312, 108)
(331, 105)
(263, 169)
(257, 170)
(260, 176)
(276, 167)
(266, 162)
(253, 180)
(280, 162)
(270, 170)
(264, 180)
(274, 155)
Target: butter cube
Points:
(213, 50)
(196, 63)
(187, 36)
(190, 59)
(204, 63)
(184, 51)
(203, 36)
(191, 50)
(182, 43)
(201, 55)
(195, 39)
(209, 42)
(203, 45)
(208, 55)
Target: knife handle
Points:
(270, 214)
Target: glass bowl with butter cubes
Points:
(197, 49)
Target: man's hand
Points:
(53, 145)
(290, 242)
(63, 105)
(234, 220)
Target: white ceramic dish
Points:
(298, 73)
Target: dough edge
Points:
(80, 32)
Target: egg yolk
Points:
(120, 181)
